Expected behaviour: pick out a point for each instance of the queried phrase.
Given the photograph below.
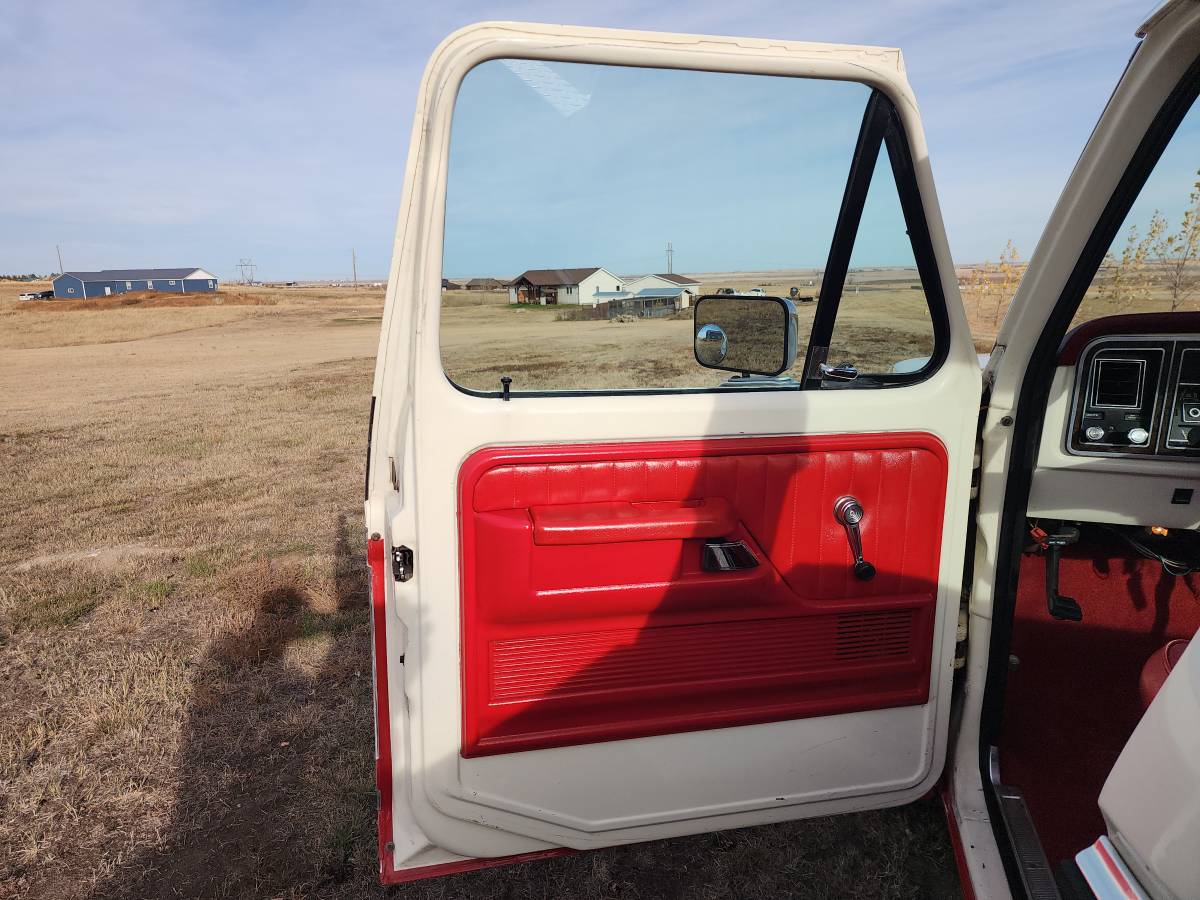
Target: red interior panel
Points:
(587, 615)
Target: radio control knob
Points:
(1094, 433)
(1138, 435)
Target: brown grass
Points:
(885, 322)
(184, 640)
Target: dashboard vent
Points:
(1118, 383)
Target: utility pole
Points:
(670, 258)
(354, 266)
(58, 250)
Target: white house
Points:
(686, 289)
(578, 286)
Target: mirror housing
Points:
(751, 335)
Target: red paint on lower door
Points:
(571, 642)
(383, 716)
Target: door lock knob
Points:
(849, 514)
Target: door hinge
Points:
(402, 563)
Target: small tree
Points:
(1178, 251)
(993, 284)
(1131, 278)
(1010, 276)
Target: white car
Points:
(620, 600)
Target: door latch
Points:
(849, 513)
(402, 563)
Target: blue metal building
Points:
(106, 282)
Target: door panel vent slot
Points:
(874, 635)
(690, 656)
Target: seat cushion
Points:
(1158, 667)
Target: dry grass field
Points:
(185, 701)
(880, 322)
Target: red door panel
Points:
(587, 615)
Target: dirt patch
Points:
(104, 559)
(148, 300)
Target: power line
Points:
(246, 269)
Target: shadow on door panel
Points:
(590, 612)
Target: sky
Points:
(609, 164)
(199, 133)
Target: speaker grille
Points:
(709, 654)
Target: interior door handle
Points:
(727, 556)
(849, 513)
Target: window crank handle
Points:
(849, 513)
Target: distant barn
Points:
(106, 282)
(486, 284)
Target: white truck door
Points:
(618, 596)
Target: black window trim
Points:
(881, 124)
(1027, 424)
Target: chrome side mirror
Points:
(751, 335)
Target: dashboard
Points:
(1121, 435)
(1137, 396)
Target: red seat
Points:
(1158, 667)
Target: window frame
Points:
(881, 124)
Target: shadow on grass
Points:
(275, 767)
(276, 791)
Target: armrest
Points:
(613, 522)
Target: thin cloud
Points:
(277, 130)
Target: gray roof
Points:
(661, 292)
(132, 274)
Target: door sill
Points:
(1032, 865)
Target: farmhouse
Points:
(106, 282)
(548, 286)
(679, 287)
(485, 284)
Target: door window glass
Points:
(589, 206)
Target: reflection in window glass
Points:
(589, 206)
(1153, 264)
